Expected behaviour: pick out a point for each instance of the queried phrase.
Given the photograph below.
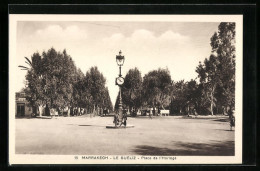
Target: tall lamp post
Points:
(120, 118)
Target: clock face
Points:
(120, 80)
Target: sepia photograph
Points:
(125, 89)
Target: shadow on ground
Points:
(25, 117)
(189, 149)
(222, 120)
(225, 129)
(107, 115)
(92, 125)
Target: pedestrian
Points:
(224, 110)
(115, 119)
(195, 112)
(124, 119)
(150, 113)
(231, 118)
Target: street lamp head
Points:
(120, 59)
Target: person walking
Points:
(231, 118)
(150, 113)
(224, 110)
(195, 112)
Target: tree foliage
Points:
(55, 82)
(95, 82)
(185, 94)
(157, 88)
(178, 102)
(217, 74)
(59, 73)
(132, 88)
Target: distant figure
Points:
(224, 110)
(188, 110)
(138, 112)
(75, 111)
(98, 111)
(81, 111)
(124, 119)
(128, 112)
(105, 111)
(150, 113)
(231, 118)
(93, 113)
(116, 119)
(195, 112)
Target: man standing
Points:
(150, 113)
(232, 118)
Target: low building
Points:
(22, 106)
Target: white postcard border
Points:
(71, 159)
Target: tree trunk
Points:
(68, 112)
(71, 110)
(211, 108)
(35, 109)
(47, 110)
(163, 107)
(40, 107)
(94, 111)
(212, 100)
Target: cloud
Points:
(117, 36)
(143, 48)
(142, 34)
(173, 36)
(58, 33)
(146, 40)
(148, 51)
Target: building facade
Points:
(22, 106)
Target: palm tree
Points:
(29, 62)
(32, 69)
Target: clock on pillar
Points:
(120, 117)
(120, 81)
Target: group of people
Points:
(78, 111)
(150, 112)
(193, 111)
(100, 111)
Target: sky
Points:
(178, 46)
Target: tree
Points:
(217, 74)
(132, 88)
(55, 82)
(78, 99)
(34, 91)
(178, 101)
(193, 93)
(59, 73)
(157, 88)
(209, 78)
(95, 82)
(107, 100)
(223, 44)
(50, 79)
